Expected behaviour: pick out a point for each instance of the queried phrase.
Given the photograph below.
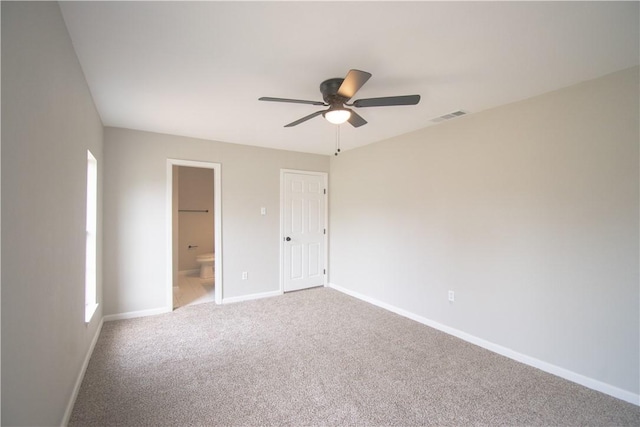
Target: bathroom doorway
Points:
(194, 259)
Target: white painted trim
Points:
(251, 297)
(325, 177)
(83, 370)
(217, 226)
(591, 383)
(140, 313)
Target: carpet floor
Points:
(317, 357)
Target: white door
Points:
(304, 230)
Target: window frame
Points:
(91, 244)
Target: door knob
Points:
(288, 239)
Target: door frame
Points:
(325, 178)
(217, 225)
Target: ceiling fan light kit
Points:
(337, 93)
(337, 116)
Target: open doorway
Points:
(193, 235)
(194, 258)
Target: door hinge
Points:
(325, 191)
(324, 271)
(325, 231)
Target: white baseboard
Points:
(250, 297)
(591, 383)
(83, 369)
(134, 314)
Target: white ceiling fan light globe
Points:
(337, 116)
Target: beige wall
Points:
(529, 212)
(195, 187)
(135, 220)
(48, 123)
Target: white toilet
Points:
(206, 265)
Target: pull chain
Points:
(337, 139)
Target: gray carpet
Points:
(317, 357)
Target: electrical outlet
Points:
(245, 275)
(451, 296)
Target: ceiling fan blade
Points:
(304, 119)
(295, 101)
(352, 83)
(356, 119)
(387, 101)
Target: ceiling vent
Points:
(449, 116)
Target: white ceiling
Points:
(198, 68)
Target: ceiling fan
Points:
(336, 94)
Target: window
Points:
(91, 247)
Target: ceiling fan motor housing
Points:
(329, 89)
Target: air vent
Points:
(449, 116)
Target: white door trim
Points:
(217, 225)
(324, 176)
